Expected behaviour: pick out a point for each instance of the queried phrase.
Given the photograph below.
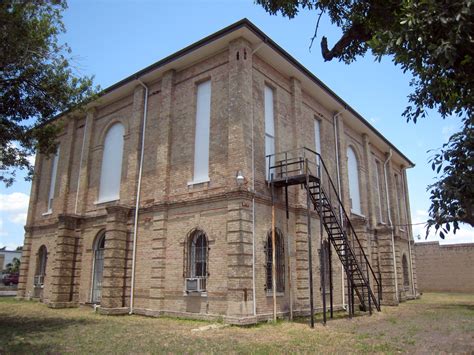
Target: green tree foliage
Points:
(37, 81)
(434, 41)
(13, 267)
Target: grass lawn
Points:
(438, 322)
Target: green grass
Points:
(434, 323)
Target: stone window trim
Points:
(41, 264)
(280, 263)
(196, 249)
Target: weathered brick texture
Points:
(235, 218)
(445, 268)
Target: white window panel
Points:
(201, 143)
(353, 171)
(54, 171)
(111, 171)
(378, 178)
(269, 129)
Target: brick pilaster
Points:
(240, 110)
(239, 256)
(115, 257)
(63, 279)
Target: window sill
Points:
(100, 202)
(195, 293)
(357, 214)
(198, 182)
(278, 294)
(47, 213)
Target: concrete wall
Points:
(447, 268)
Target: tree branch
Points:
(356, 32)
(316, 30)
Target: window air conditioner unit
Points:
(195, 284)
(39, 280)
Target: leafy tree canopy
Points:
(434, 41)
(37, 81)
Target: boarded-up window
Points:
(279, 261)
(353, 171)
(406, 274)
(269, 130)
(52, 185)
(379, 191)
(201, 142)
(111, 171)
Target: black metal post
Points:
(331, 301)
(368, 291)
(348, 274)
(310, 257)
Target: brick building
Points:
(189, 135)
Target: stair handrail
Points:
(349, 224)
(341, 205)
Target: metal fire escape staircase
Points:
(305, 167)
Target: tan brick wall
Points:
(170, 207)
(447, 268)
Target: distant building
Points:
(201, 244)
(7, 256)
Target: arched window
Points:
(353, 172)
(325, 267)
(406, 274)
(98, 266)
(111, 171)
(197, 261)
(41, 266)
(279, 261)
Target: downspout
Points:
(335, 119)
(137, 205)
(390, 222)
(254, 291)
(80, 165)
(410, 230)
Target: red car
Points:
(10, 279)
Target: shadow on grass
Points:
(25, 334)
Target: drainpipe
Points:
(254, 291)
(390, 222)
(80, 164)
(137, 205)
(410, 230)
(336, 141)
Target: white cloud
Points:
(18, 218)
(447, 131)
(16, 201)
(464, 235)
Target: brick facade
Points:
(236, 218)
(445, 268)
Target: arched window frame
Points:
(99, 244)
(196, 261)
(353, 167)
(111, 164)
(406, 271)
(324, 264)
(279, 259)
(41, 264)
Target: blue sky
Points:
(113, 39)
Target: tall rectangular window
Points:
(398, 199)
(317, 138)
(269, 130)
(54, 170)
(378, 186)
(201, 143)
